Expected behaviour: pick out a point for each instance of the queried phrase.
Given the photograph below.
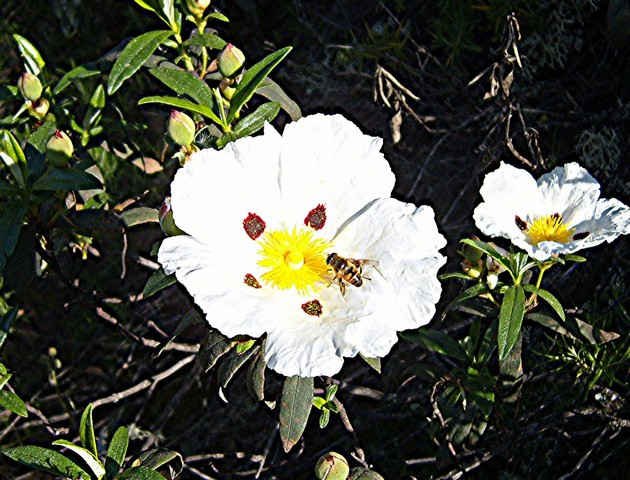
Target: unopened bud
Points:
(39, 109)
(361, 473)
(491, 280)
(227, 89)
(332, 466)
(181, 128)
(167, 222)
(52, 352)
(231, 60)
(30, 87)
(59, 149)
(473, 270)
(197, 7)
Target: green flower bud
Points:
(197, 7)
(231, 60)
(59, 149)
(227, 89)
(167, 222)
(332, 466)
(181, 128)
(39, 109)
(30, 87)
(361, 473)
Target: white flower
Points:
(560, 213)
(264, 214)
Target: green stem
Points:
(543, 268)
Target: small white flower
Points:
(560, 213)
(263, 216)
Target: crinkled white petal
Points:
(215, 190)
(214, 278)
(327, 160)
(507, 191)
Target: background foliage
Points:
(82, 332)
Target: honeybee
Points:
(347, 270)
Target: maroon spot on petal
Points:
(581, 235)
(251, 281)
(520, 223)
(312, 307)
(316, 218)
(254, 225)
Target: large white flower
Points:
(264, 216)
(560, 213)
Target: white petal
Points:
(571, 191)
(215, 281)
(327, 160)
(215, 190)
(507, 192)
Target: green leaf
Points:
(13, 403)
(436, 341)
(233, 364)
(12, 155)
(252, 78)
(158, 281)
(86, 430)
(97, 100)
(77, 73)
(575, 258)
(319, 402)
(46, 460)
(39, 138)
(575, 329)
(11, 219)
(218, 16)
(489, 250)
(87, 456)
(274, 92)
(139, 215)
(458, 275)
(140, 473)
(324, 418)
(133, 56)
(66, 179)
(156, 458)
(549, 298)
(33, 60)
(243, 346)
(510, 319)
(251, 123)
(183, 104)
(116, 452)
(373, 362)
(184, 83)
(256, 376)
(295, 407)
(214, 347)
(208, 40)
(7, 320)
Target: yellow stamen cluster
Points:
(293, 259)
(550, 228)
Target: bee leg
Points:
(342, 287)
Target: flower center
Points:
(550, 228)
(293, 259)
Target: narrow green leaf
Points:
(256, 376)
(158, 457)
(13, 403)
(183, 104)
(39, 138)
(274, 92)
(489, 250)
(295, 407)
(233, 364)
(185, 83)
(117, 451)
(436, 341)
(549, 298)
(7, 320)
(510, 319)
(32, 58)
(77, 73)
(87, 456)
(66, 179)
(158, 281)
(133, 56)
(214, 347)
(373, 362)
(13, 156)
(208, 40)
(140, 473)
(218, 16)
(86, 430)
(139, 215)
(575, 329)
(252, 78)
(46, 460)
(11, 220)
(575, 258)
(251, 123)
(458, 275)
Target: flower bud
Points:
(39, 109)
(30, 87)
(332, 466)
(197, 7)
(361, 473)
(59, 149)
(167, 222)
(231, 60)
(227, 89)
(473, 270)
(181, 128)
